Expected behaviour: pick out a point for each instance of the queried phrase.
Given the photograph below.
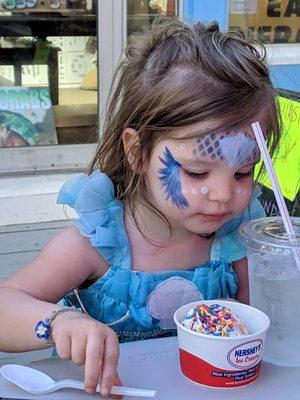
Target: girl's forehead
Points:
(235, 148)
(190, 133)
(188, 141)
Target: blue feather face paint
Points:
(236, 149)
(170, 179)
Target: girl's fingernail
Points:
(89, 390)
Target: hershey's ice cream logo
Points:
(246, 354)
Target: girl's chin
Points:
(204, 227)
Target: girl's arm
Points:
(31, 294)
(241, 269)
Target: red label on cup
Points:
(204, 373)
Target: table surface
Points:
(154, 364)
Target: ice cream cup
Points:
(222, 362)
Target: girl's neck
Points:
(154, 248)
(156, 230)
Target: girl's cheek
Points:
(193, 191)
(243, 191)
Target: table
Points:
(154, 364)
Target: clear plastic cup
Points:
(274, 280)
(222, 362)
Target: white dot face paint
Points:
(184, 191)
(238, 190)
(194, 191)
(182, 146)
(203, 190)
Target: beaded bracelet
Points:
(43, 328)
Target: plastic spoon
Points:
(36, 382)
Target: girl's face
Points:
(202, 182)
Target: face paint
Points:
(236, 149)
(170, 179)
(208, 147)
(203, 190)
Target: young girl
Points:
(159, 210)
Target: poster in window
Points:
(26, 117)
(269, 21)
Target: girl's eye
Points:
(195, 175)
(241, 175)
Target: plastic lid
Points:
(269, 236)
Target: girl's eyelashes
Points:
(241, 175)
(195, 175)
(204, 175)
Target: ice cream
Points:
(215, 320)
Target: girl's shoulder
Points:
(88, 192)
(100, 216)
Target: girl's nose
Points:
(221, 192)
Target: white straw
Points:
(277, 192)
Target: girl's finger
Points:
(110, 362)
(93, 363)
(117, 380)
(63, 347)
(78, 346)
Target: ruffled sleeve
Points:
(100, 215)
(226, 245)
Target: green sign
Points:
(287, 158)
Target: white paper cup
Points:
(222, 362)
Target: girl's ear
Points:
(131, 144)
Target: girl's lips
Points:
(213, 217)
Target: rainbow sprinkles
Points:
(216, 320)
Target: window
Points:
(276, 23)
(142, 13)
(270, 21)
(50, 100)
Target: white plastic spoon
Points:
(36, 382)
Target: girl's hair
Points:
(173, 76)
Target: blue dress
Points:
(140, 305)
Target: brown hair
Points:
(173, 76)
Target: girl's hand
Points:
(84, 340)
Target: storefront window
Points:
(48, 72)
(141, 13)
(270, 21)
